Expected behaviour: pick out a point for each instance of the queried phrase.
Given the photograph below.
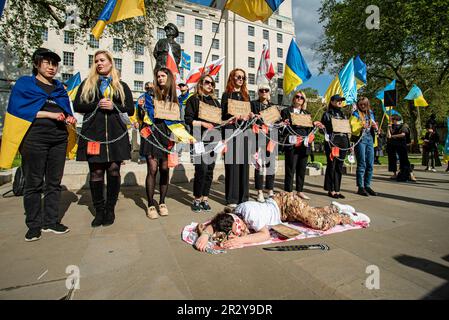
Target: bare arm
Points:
(203, 239)
(260, 236)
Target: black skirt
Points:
(158, 140)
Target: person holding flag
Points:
(36, 124)
(104, 141)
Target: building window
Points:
(94, 43)
(280, 53)
(215, 27)
(252, 95)
(280, 83)
(198, 57)
(160, 34)
(199, 41)
(180, 20)
(138, 86)
(198, 24)
(140, 49)
(279, 24)
(251, 78)
(69, 37)
(217, 78)
(216, 44)
(117, 45)
(68, 59)
(251, 47)
(44, 34)
(118, 64)
(91, 60)
(280, 68)
(180, 38)
(215, 57)
(251, 62)
(217, 92)
(266, 35)
(66, 76)
(280, 38)
(251, 31)
(138, 67)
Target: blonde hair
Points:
(199, 88)
(304, 106)
(90, 88)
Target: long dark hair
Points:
(167, 92)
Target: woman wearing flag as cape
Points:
(104, 142)
(36, 125)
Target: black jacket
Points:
(224, 110)
(303, 131)
(339, 139)
(192, 111)
(104, 125)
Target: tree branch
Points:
(47, 6)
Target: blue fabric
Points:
(364, 153)
(108, 10)
(360, 69)
(105, 82)
(27, 98)
(274, 4)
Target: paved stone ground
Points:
(141, 259)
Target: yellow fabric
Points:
(14, 130)
(291, 80)
(359, 83)
(251, 10)
(421, 102)
(72, 93)
(333, 89)
(357, 127)
(181, 133)
(72, 145)
(97, 31)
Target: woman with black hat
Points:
(104, 141)
(38, 114)
(334, 154)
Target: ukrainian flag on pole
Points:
(72, 85)
(416, 95)
(344, 84)
(116, 10)
(296, 69)
(253, 10)
(388, 111)
(360, 72)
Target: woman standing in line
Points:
(102, 97)
(204, 165)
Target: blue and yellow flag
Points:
(72, 85)
(360, 72)
(388, 111)
(25, 101)
(296, 69)
(416, 95)
(2, 5)
(116, 10)
(344, 84)
(253, 10)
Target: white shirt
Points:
(258, 215)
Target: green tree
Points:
(23, 21)
(411, 46)
(311, 92)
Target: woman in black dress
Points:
(104, 141)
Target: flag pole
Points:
(215, 35)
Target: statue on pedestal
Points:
(162, 47)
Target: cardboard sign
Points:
(209, 113)
(166, 110)
(341, 126)
(302, 120)
(286, 231)
(93, 148)
(239, 108)
(271, 115)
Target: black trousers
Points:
(401, 151)
(237, 175)
(334, 171)
(258, 179)
(43, 163)
(295, 162)
(202, 180)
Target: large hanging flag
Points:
(360, 72)
(296, 70)
(116, 10)
(195, 74)
(344, 84)
(416, 95)
(265, 72)
(253, 10)
(185, 60)
(72, 85)
(2, 5)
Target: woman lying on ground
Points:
(235, 225)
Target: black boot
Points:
(112, 191)
(96, 190)
(362, 192)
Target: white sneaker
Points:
(261, 198)
(433, 170)
(232, 205)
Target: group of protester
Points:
(104, 100)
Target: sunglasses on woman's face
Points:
(299, 97)
(209, 82)
(240, 78)
(264, 90)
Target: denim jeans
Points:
(364, 153)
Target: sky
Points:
(308, 32)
